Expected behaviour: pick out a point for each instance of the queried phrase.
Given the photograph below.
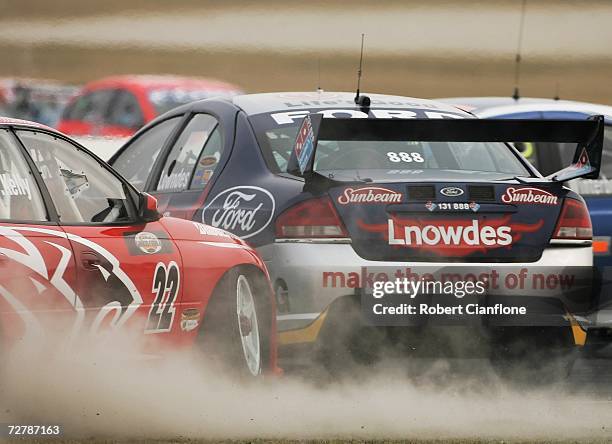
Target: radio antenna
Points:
(359, 70)
(519, 49)
(557, 95)
(319, 75)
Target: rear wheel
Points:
(236, 328)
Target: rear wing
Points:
(587, 134)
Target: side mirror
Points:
(147, 208)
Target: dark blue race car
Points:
(339, 196)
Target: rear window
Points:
(379, 160)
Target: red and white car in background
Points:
(83, 254)
(118, 106)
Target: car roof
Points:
(497, 106)
(162, 81)
(286, 101)
(9, 121)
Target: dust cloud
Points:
(111, 391)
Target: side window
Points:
(82, 189)
(20, 198)
(186, 152)
(126, 111)
(136, 161)
(91, 107)
(208, 161)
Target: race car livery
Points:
(337, 195)
(83, 254)
(547, 158)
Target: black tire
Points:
(220, 338)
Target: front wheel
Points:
(236, 328)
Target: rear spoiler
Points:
(587, 134)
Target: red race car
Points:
(82, 253)
(118, 106)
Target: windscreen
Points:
(389, 160)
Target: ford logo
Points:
(451, 191)
(245, 211)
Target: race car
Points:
(334, 193)
(40, 100)
(547, 158)
(83, 255)
(118, 106)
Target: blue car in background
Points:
(547, 157)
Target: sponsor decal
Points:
(369, 195)
(201, 177)
(208, 161)
(304, 144)
(592, 186)
(583, 160)
(471, 235)
(148, 242)
(405, 172)
(15, 186)
(175, 181)
(243, 210)
(207, 175)
(166, 282)
(451, 237)
(452, 206)
(529, 195)
(451, 191)
(290, 117)
(190, 318)
(207, 230)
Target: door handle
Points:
(90, 260)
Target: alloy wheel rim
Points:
(248, 326)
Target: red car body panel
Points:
(139, 86)
(155, 279)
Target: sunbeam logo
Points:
(368, 195)
(529, 195)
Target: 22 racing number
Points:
(403, 156)
(166, 281)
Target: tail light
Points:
(313, 218)
(574, 222)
